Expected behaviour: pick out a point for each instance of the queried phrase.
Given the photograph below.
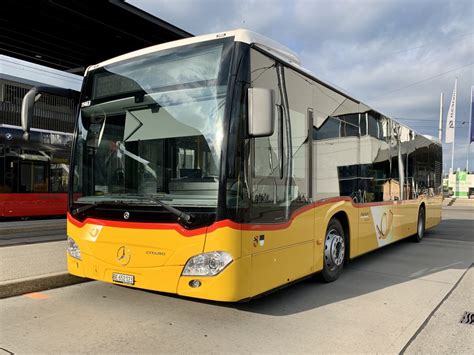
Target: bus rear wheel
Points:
(334, 251)
(420, 225)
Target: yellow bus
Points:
(217, 167)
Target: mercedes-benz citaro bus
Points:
(217, 167)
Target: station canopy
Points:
(70, 35)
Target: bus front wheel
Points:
(334, 251)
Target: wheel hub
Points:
(334, 249)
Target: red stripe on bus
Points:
(138, 225)
(224, 223)
(190, 233)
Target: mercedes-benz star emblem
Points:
(126, 215)
(123, 255)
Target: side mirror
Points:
(261, 112)
(28, 103)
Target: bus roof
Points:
(240, 35)
(245, 36)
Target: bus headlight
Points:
(73, 248)
(207, 264)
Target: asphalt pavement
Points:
(405, 297)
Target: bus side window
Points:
(376, 159)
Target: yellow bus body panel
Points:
(265, 257)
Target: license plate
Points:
(123, 278)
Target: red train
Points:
(34, 174)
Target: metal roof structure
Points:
(70, 35)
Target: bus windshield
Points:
(152, 127)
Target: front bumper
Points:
(231, 285)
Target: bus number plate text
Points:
(123, 278)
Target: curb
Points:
(38, 283)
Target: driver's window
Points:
(268, 180)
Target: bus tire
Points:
(334, 251)
(420, 225)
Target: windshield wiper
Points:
(78, 210)
(182, 216)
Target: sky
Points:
(395, 55)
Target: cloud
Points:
(389, 54)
